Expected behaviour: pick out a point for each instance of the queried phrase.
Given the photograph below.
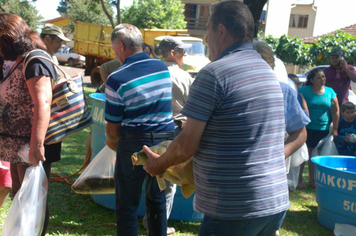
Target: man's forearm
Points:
(113, 132)
(350, 74)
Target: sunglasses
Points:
(180, 50)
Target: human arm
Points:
(350, 72)
(295, 140)
(113, 131)
(103, 73)
(335, 114)
(153, 52)
(304, 104)
(180, 150)
(40, 88)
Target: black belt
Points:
(159, 135)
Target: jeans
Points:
(262, 226)
(170, 190)
(128, 187)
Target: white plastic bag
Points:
(300, 156)
(98, 176)
(293, 178)
(325, 147)
(27, 212)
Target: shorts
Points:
(53, 152)
(314, 136)
(5, 175)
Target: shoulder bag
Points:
(69, 110)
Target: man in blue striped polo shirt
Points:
(235, 131)
(138, 112)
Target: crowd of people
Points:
(239, 118)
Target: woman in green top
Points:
(323, 110)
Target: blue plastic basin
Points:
(335, 178)
(182, 208)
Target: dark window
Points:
(298, 21)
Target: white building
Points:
(303, 18)
(308, 18)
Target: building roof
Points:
(302, 2)
(349, 29)
(53, 20)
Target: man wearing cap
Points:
(52, 36)
(339, 75)
(173, 51)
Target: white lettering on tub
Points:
(98, 115)
(343, 183)
(329, 180)
(352, 183)
(349, 206)
(323, 179)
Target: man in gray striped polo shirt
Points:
(235, 130)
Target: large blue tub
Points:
(182, 208)
(335, 178)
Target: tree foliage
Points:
(161, 14)
(84, 10)
(24, 9)
(294, 51)
(322, 47)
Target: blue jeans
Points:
(128, 187)
(262, 226)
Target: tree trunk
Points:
(118, 12)
(107, 13)
(255, 7)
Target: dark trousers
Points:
(128, 186)
(262, 226)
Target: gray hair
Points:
(129, 34)
(264, 50)
(236, 17)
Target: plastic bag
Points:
(27, 212)
(98, 177)
(293, 163)
(293, 178)
(300, 156)
(297, 158)
(325, 147)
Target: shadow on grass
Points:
(300, 222)
(75, 214)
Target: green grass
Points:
(73, 214)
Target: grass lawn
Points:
(73, 214)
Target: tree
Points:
(162, 14)
(84, 10)
(293, 50)
(116, 4)
(321, 48)
(255, 7)
(24, 9)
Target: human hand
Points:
(343, 63)
(36, 155)
(347, 138)
(334, 133)
(152, 166)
